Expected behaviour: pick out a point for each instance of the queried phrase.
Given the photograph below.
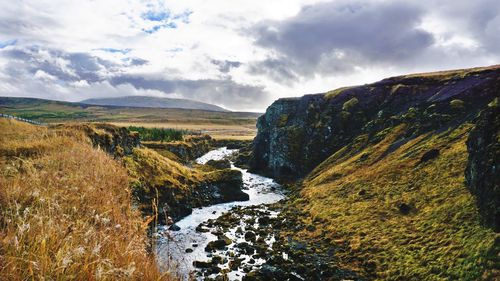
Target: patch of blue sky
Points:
(156, 16)
(113, 50)
(7, 43)
(160, 26)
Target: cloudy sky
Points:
(238, 54)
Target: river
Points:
(177, 250)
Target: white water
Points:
(172, 245)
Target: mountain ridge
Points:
(153, 102)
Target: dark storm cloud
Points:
(337, 36)
(477, 19)
(280, 70)
(67, 67)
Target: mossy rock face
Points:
(219, 164)
(483, 169)
(186, 150)
(328, 122)
(117, 141)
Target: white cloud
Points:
(208, 50)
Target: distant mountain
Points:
(156, 102)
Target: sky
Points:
(241, 55)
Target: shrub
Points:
(158, 134)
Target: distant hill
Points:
(155, 102)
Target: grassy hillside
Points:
(394, 216)
(217, 124)
(382, 173)
(66, 210)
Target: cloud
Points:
(222, 92)
(336, 37)
(239, 54)
(76, 76)
(226, 65)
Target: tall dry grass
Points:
(66, 210)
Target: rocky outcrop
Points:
(297, 134)
(117, 141)
(483, 169)
(221, 187)
(187, 150)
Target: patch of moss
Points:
(350, 104)
(336, 92)
(457, 104)
(283, 119)
(494, 103)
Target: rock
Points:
(217, 260)
(310, 228)
(264, 220)
(218, 244)
(174, 227)
(186, 151)
(201, 228)
(117, 141)
(251, 276)
(235, 263)
(226, 239)
(246, 248)
(483, 168)
(202, 264)
(250, 236)
(429, 155)
(404, 208)
(272, 273)
(219, 164)
(227, 184)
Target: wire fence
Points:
(22, 119)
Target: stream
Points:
(179, 250)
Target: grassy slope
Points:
(66, 210)
(233, 124)
(355, 194)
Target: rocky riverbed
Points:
(247, 240)
(184, 249)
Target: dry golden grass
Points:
(66, 210)
(447, 74)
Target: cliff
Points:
(399, 179)
(296, 134)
